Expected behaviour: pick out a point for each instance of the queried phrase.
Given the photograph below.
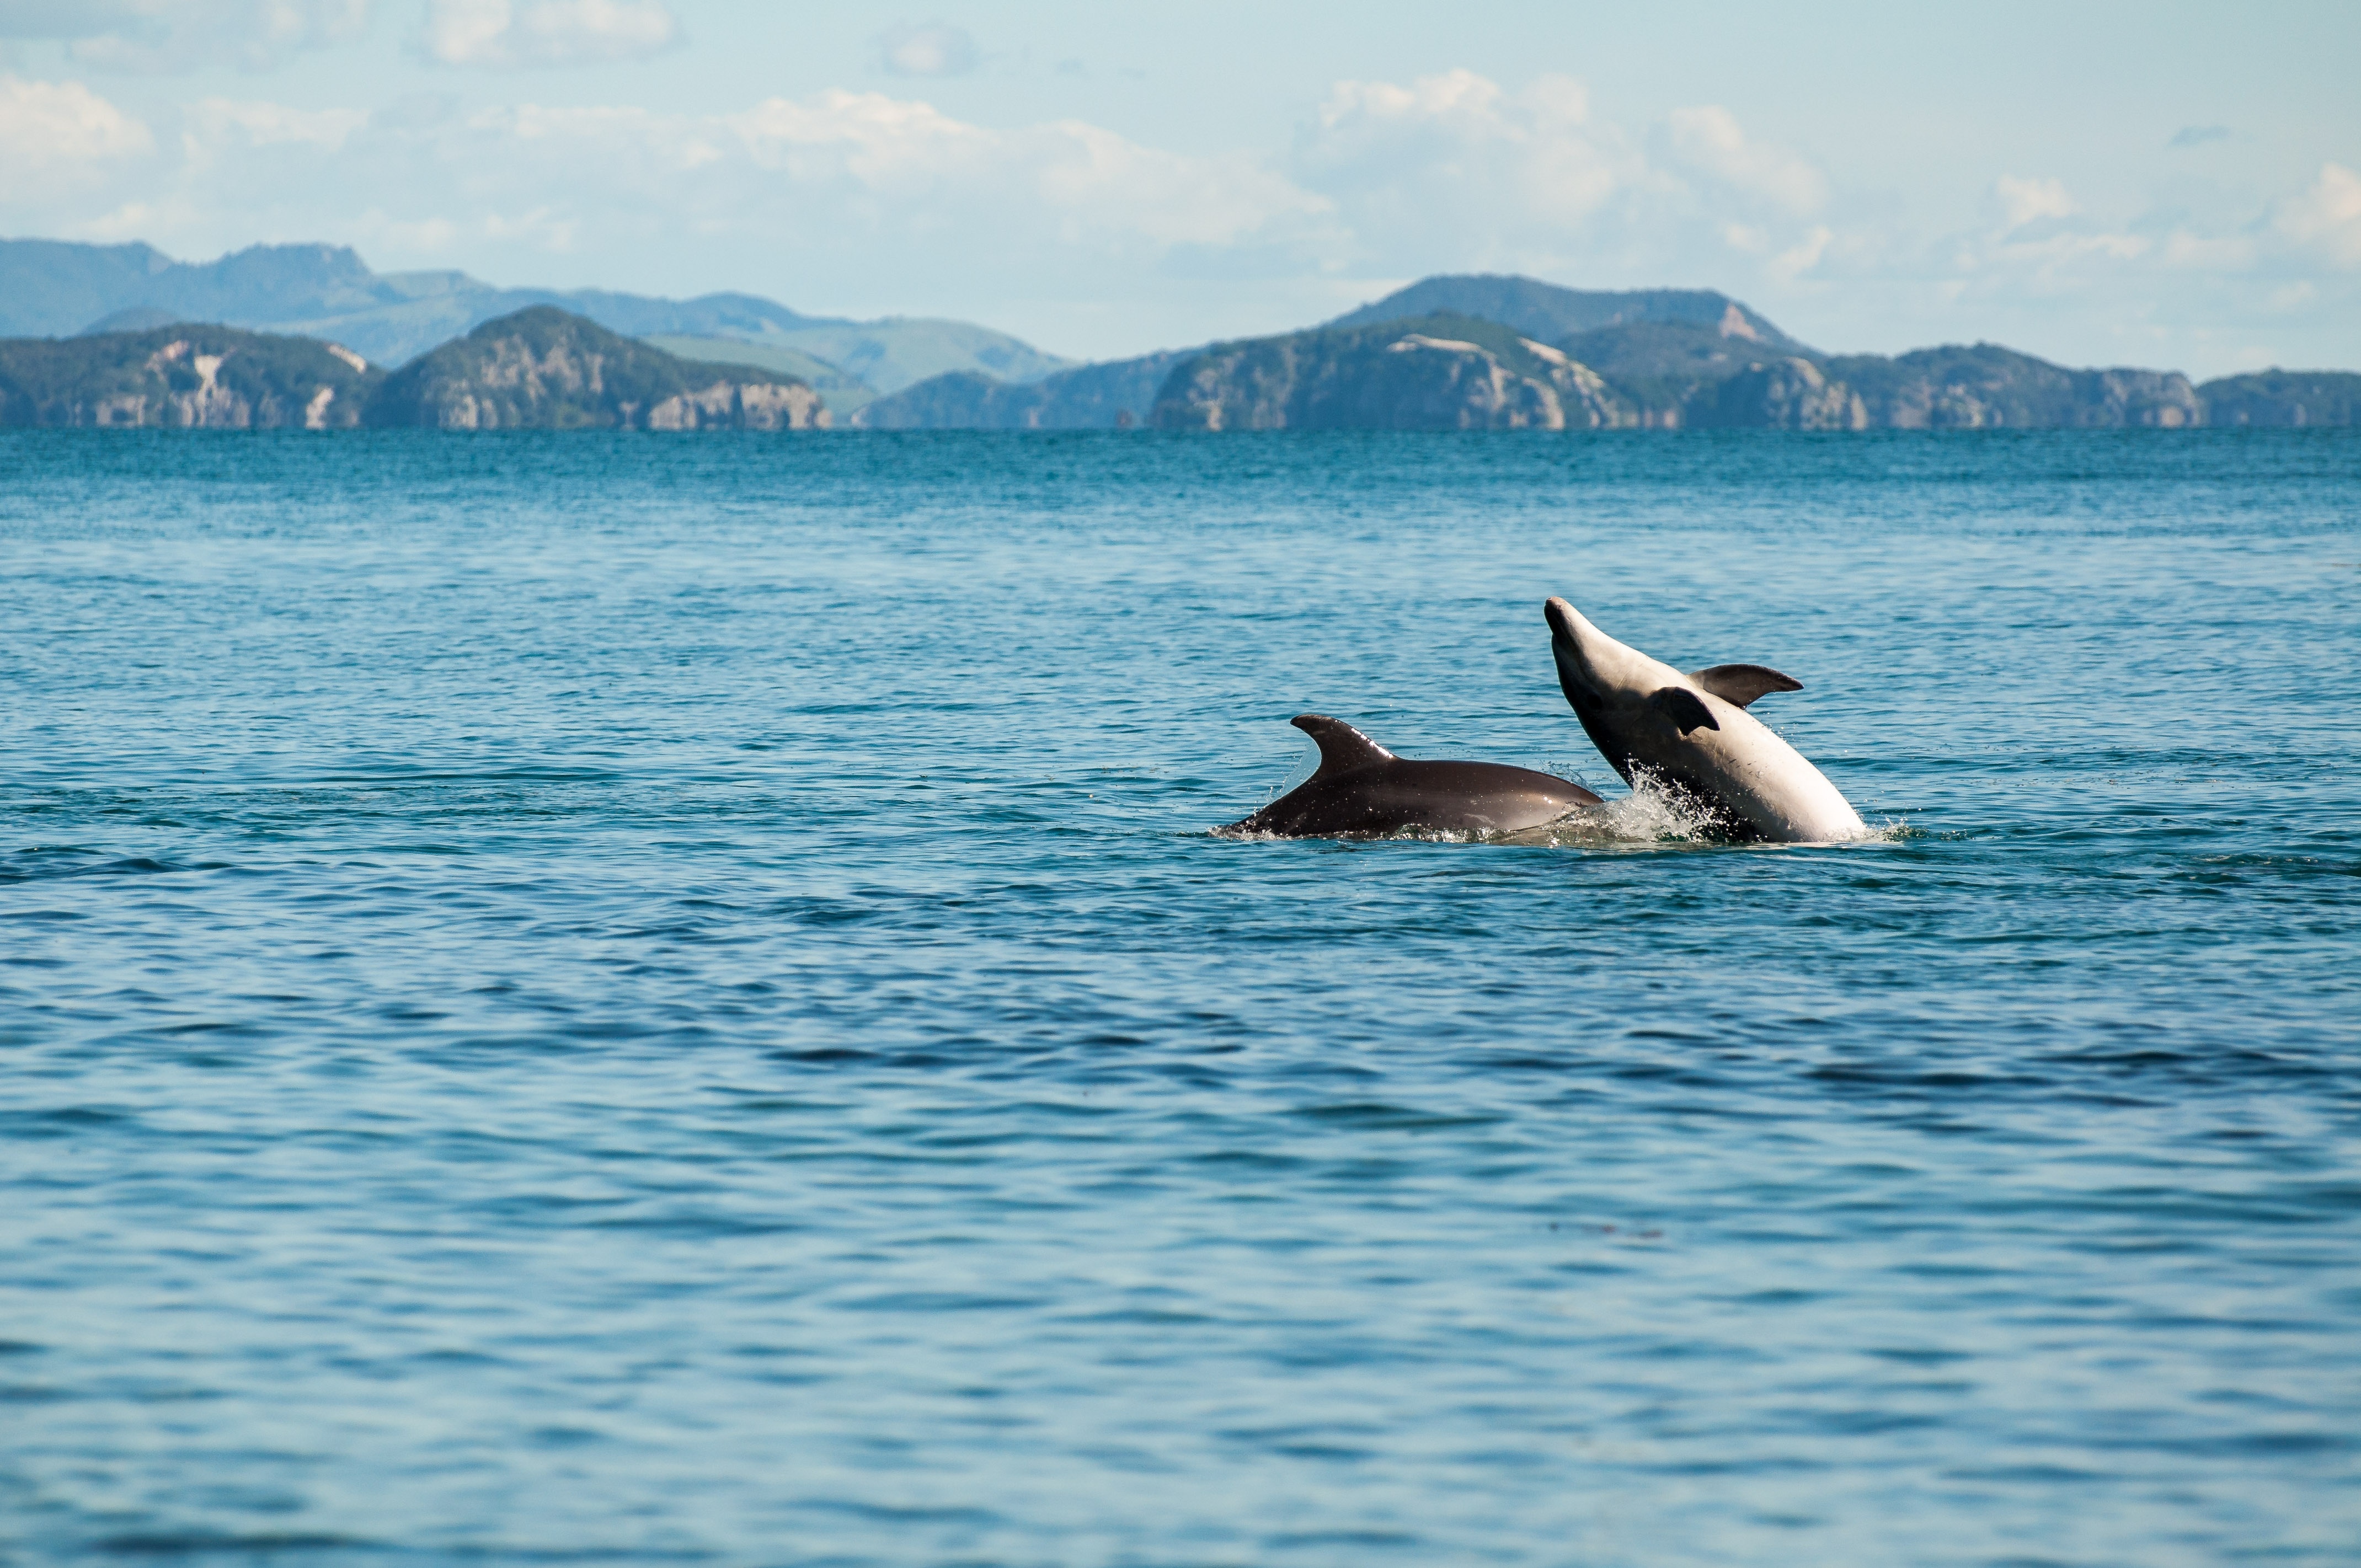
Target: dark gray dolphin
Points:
(1362, 790)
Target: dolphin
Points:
(1362, 790)
(1692, 732)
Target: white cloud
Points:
(917, 168)
(936, 49)
(545, 32)
(891, 198)
(59, 134)
(2327, 216)
(2209, 253)
(2024, 202)
(211, 121)
(1095, 178)
(180, 35)
(1454, 171)
(1709, 140)
(1803, 254)
(1451, 170)
(878, 142)
(1531, 147)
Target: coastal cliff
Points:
(1467, 374)
(1441, 372)
(543, 368)
(1666, 359)
(1987, 387)
(1786, 394)
(2284, 398)
(185, 377)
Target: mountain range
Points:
(57, 288)
(1449, 352)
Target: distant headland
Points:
(303, 336)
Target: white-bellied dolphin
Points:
(1693, 733)
(1362, 790)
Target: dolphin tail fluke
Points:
(1342, 747)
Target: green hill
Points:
(1669, 369)
(1550, 313)
(183, 377)
(2284, 398)
(543, 368)
(1987, 386)
(1441, 372)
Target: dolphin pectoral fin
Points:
(1739, 684)
(1342, 747)
(1684, 708)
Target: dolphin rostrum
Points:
(1362, 790)
(1693, 733)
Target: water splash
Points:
(1653, 813)
(1656, 812)
(1307, 762)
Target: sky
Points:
(2163, 184)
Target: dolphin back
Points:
(1361, 790)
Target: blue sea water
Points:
(638, 999)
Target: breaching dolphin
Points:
(1362, 790)
(1693, 733)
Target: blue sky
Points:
(2160, 185)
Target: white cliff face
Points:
(1402, 380)
(514, 368)
(211, 406)
(184, 377)
(207, 405)
(741, 405)
(1418, 340)
(773, 407)
(1496, 397)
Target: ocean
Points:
(640, 999)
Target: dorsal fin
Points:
(1342, 747)
(1739, 684)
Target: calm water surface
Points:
(660, 1000)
